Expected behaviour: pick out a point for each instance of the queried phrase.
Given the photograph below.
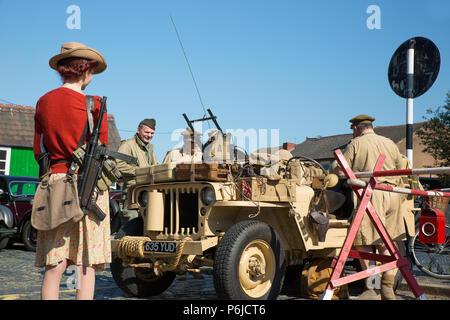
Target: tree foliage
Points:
(435, 135)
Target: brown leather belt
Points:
(52, 162)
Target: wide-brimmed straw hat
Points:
(79, 50)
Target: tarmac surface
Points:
(21, 280)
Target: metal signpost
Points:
(412, 71)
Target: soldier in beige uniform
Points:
(138, 146)
(190, 147)
(361, 154)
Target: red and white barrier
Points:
(389, 262)
(363, 184)
(401, 172)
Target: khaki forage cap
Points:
(79, 50)
(151, 123)
(362, 118)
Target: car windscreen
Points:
(23, 188)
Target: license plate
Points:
(160, 246)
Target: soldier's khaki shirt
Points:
(362, 153)
(143, 152)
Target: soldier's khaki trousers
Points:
(126, 214)
(388, 207)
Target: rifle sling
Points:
(90, 100)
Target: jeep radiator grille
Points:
(180, 211)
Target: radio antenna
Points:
(189, 66)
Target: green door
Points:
(23, 163)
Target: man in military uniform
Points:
(190, 148)
(361, 154)
(138, 146)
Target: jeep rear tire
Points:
(249, 263)
(139, 282)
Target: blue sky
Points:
(301, 67)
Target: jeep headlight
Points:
(208, 195)
(143, 198)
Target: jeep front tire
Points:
(139, 282)
(249, 263)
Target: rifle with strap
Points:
(91, 159)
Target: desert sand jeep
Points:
(232, 220)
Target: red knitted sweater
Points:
(59, 122)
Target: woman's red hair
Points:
(74, 68)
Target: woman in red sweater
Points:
(59, 122)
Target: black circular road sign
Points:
(427, 61)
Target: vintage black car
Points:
(17, 193)
(6, 226)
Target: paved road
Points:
(20, 280)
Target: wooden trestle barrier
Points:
(392, 261)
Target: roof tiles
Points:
(17, 127)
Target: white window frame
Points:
(7, 160)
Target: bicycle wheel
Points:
(432, 259)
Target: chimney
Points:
(288, 146)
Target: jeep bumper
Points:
(190, 247)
